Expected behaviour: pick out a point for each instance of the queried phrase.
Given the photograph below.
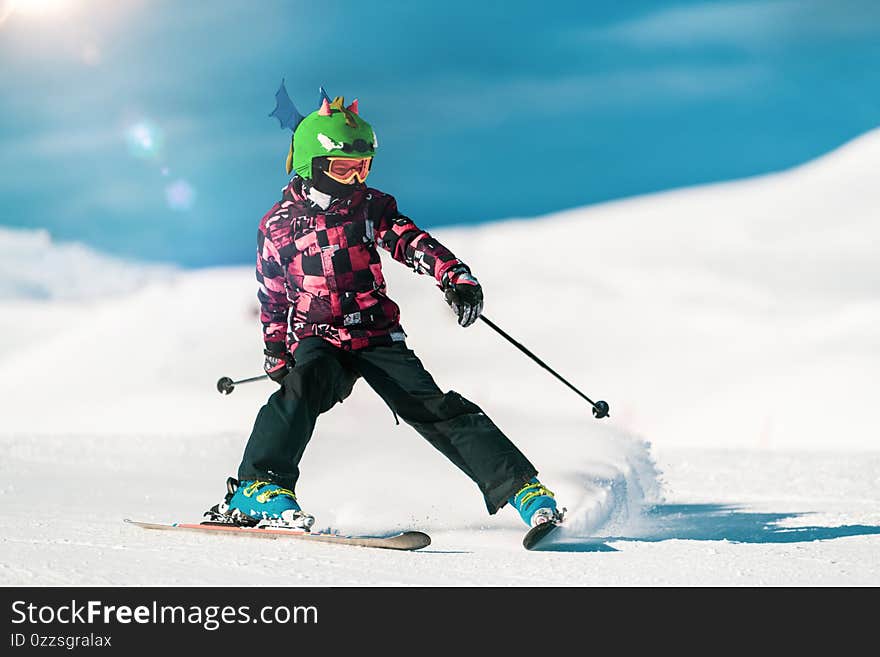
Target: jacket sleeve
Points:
(409, 244)
(272, 293)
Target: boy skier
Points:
(327, 321)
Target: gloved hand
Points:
(278, 361)
(463, 294)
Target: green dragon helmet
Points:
(334, 130)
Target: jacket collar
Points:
(317, 197)
(301, 191)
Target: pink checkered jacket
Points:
(319, 271)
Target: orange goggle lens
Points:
(346, 169)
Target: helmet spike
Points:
(323, 95)
(353, 107)
(325, 109)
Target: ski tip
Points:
(535, 535)
(414, 540)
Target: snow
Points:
(32, 266)
(731, 327)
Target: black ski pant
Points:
(325, 374)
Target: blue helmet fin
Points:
(285, 111)
(323, 96)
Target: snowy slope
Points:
(53, 285)
(731, 325)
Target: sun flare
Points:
(36, 7)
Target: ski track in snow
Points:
(730, 325)
(725, 521)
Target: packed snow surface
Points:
(731, 327)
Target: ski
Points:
(535, 535)
(409, 540)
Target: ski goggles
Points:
(346, 169)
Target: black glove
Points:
(463, 294)
(278, 361)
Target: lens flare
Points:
(6, 9)
(180, 195)
(37, 7)
(144, 139)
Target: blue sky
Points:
(140, 127)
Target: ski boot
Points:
(258, 504)
(536, 504)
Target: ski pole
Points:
(600, 408)
(226, 385)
